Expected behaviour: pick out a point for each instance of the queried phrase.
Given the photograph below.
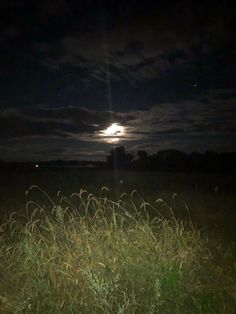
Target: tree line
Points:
(172, 160)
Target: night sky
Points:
(165, 71)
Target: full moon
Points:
(114, 130)
(113, 133)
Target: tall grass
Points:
(89, 254)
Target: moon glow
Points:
(113, 133)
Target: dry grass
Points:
(89, 254)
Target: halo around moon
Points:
(113, 133)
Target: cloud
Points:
(185, 124)
(217, 115)
(67, 122)
(67, 52)
(31, 123)
(141, 46)
(189, 116)
(23, 127)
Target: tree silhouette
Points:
(142, 161)
(119, 158)
(142, 155)
(173, 160)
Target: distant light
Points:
(36, 166)
(195, 84)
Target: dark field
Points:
(211, 198)
(136, 242)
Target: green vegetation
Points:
(90, 254)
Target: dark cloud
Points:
(183, 124)
(138, 43)
(60, 122)
(165, 70)
(147, 45)
(16, 126)
(189, 117)
(38, 122)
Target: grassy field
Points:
(150, 243)
(211, 198)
